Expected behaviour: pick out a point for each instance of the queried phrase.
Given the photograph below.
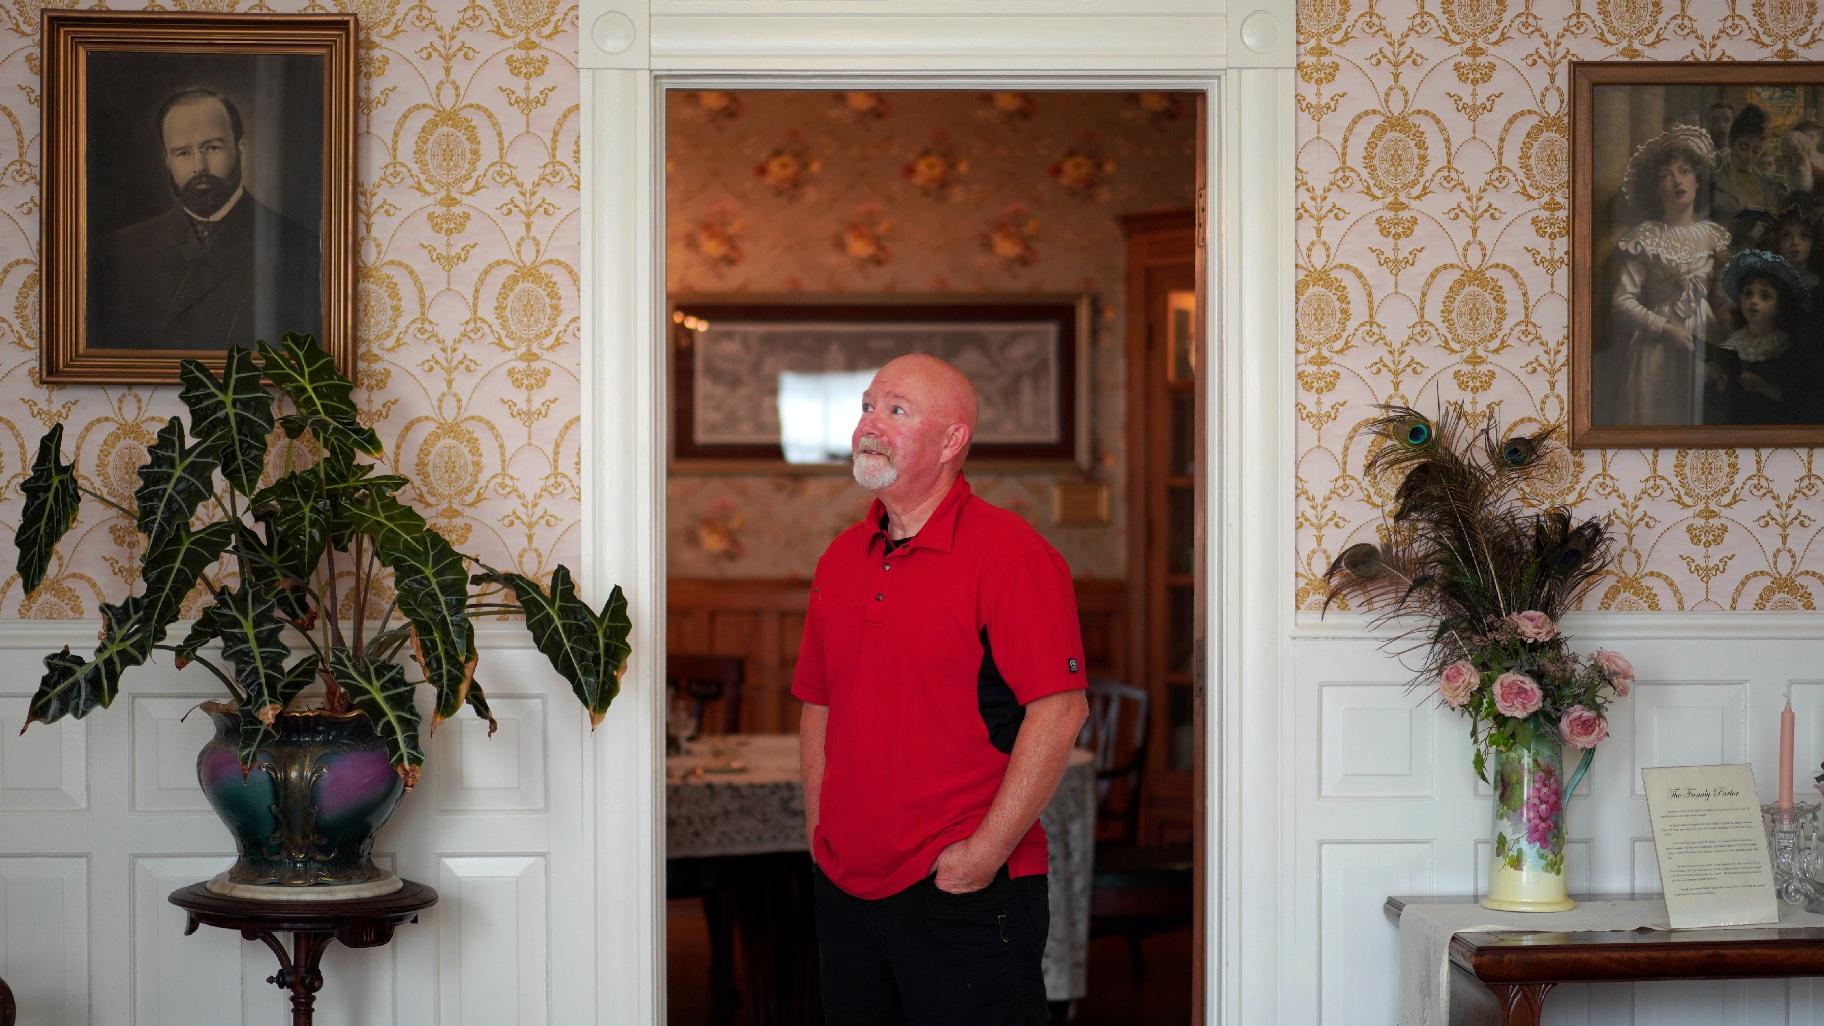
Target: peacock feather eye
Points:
(1418, 433)
(1518, 452)
(1363, 559)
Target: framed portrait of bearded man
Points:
(198, 188)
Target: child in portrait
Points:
(1765, 371)
(1667, 264)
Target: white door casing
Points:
(1242, 56)
(546, 840)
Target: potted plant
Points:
(1478, 578)
(301, 777)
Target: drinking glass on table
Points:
(680, 723)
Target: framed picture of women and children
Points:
(1697, 257)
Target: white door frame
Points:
(631, 52)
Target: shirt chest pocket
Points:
(840, 623)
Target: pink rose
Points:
(1616, 665)
(1582, 728)
(1533, 626)
(1517, 695)
(1457, 681)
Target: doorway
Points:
(807, 201)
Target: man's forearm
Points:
(813, 721)
(1041, 751)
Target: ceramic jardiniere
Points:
(304, 815)
(1526, 870)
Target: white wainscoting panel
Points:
(45, 770)
(495, 939)
(101, 819)
(167, 734)
(44, 934)
(1386, 802)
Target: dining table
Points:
(735, 795)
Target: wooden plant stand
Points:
(357, 923)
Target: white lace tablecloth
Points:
(740, 795)
(1426, 929)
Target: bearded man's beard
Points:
(874, 471)
(204, 193)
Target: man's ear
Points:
(956, 442)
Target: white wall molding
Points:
(1595, 627)
(939, 44)
(1383, 800)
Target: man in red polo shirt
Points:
(942, 678)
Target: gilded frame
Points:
(1589, 272)
(71, 40)
(1065, 447)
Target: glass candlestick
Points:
(1792, 842)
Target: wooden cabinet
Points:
(1162, 494)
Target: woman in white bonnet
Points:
(1668, 263)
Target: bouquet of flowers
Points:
(1477, 579)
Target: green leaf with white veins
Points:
(325, 400)
(432, 585)
(381, 691)
(231, 418)
(586, 648)
(247, 622)
(73, 686)
(261, 711)
(171, 570)
(176, 479)
(51, 499)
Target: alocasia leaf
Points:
(176, 478)
(298, 516)
(323, 397)
(259, 713)
(230, 418)
(432, 584)
(246, 619)
(380, 690)
(172, 569)
(587, 649)
(269, 565)
(478, 701)
(385, 520)
(72, 686)
(51, 499)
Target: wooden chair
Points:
(708, 680)
(1137, 890)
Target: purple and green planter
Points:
(320, 736)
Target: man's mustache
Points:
(870, 449)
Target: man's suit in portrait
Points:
(161, 284)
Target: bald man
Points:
(942, 678)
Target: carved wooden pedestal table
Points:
(357, 923)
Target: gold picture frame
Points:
(149, 115)
(1639, 283)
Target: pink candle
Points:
(1786, 724)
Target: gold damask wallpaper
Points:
(1433, 222)
(868, 192)
(467, 203)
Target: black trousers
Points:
(926, 958)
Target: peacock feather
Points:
(1461, 548)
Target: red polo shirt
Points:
(925, 656)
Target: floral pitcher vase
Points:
(1526, 869)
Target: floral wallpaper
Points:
(1433, 222)
(913, 192)
(467, 200)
